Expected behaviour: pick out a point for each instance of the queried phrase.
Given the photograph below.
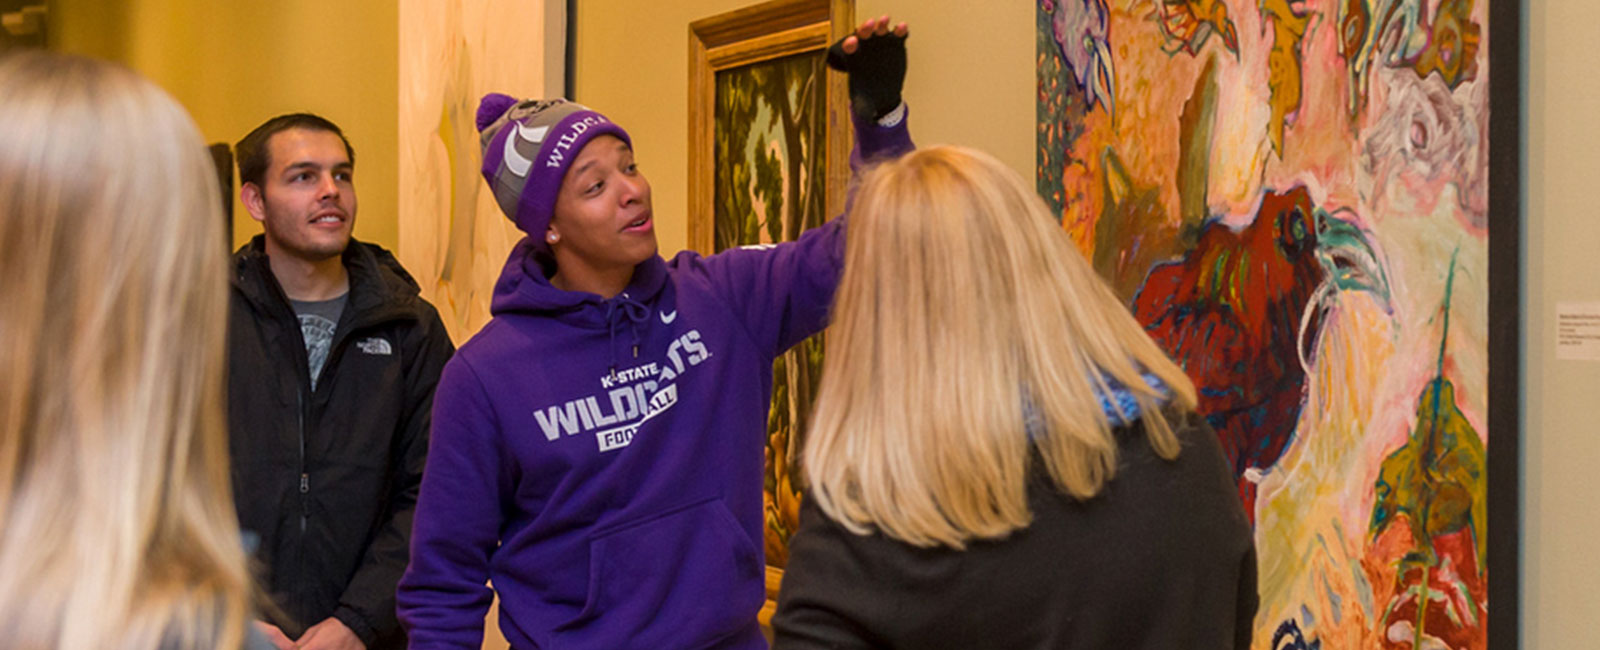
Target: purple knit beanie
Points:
(526, 163)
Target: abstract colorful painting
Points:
(1293, 197)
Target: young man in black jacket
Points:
(333, 358)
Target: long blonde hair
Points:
(116, 520)
(961, 301)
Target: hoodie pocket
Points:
(682, 579)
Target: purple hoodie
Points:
(599, 461)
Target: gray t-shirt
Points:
(318, 320)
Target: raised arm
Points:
(874, 61)
(782, 293)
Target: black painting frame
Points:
(1506, 273)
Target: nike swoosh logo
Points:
(668, 316)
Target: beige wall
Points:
(1561, 449)
(970, 81)
(453, 236)
(235, 64)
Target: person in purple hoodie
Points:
(596, 451)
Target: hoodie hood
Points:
(523, 288)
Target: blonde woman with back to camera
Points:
(1000, 457)
(116, 528)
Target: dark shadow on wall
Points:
(22, 24)
(88, 27)
(222, 158)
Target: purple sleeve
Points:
(877, 142)
(783, 293)
(443, 596)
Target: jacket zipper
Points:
(305, 477)
(370, 320)
(335, 348)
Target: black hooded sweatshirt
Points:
(326, 480)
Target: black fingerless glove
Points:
(877, 71)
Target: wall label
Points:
(1578, 331)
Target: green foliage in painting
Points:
(770, 186)
(770, 133)
(1052, 115)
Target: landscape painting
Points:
(770, 186)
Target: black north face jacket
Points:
(327, 480)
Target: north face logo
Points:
(375, 345)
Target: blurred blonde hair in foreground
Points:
(116, 526)
(962, 300)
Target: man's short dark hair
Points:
(252, 152)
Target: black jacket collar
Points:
(380, 289)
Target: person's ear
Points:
(551, 235)
(254, 202)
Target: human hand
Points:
(330, 634)
(276, 636)
(876, 64)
